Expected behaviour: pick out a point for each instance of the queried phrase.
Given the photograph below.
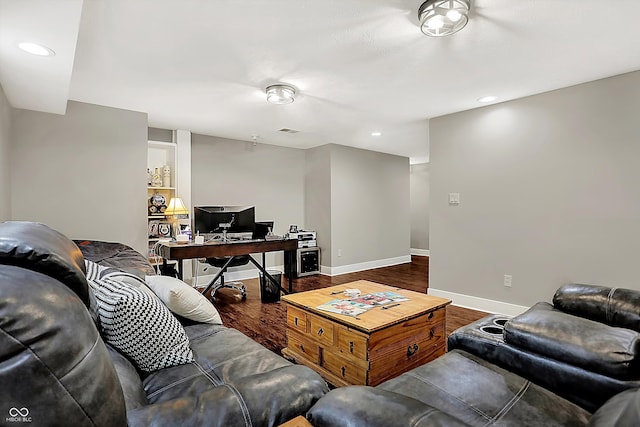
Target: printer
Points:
(306, 238)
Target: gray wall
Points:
(5, 162)
(370, 218)
(82, 173)
(549, 189)
(317, 198)
(348, 195)
(232, 172)
(419, 190)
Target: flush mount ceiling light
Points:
(280, 94)
(36, 49)
(440, 18)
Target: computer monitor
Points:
(217, 219)
(262, 229)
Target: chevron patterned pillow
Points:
(139, 325)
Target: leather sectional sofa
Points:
(56, 369)
(573, 363)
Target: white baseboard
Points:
(352, 268)
(481, 304)
(420, 252)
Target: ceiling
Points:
(358, 66)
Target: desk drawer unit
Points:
(344, 355)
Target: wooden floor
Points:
(266, 323)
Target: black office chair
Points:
(224, 263)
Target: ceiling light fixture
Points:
(376, 133)
(36, 49)
(280, 94)
(440, 18)
(489, 98)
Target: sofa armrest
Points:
(575, 340)
(363, 406)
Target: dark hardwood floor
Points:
(266, 323)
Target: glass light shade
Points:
(440, 18)
(280, 94)
(176, 207)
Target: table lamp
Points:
(176, 208)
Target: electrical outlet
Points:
(339, 252)
(507, 280)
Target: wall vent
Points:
(287, 130)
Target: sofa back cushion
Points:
(613, 306)
(116, 255)
(36, 247)
(132, 388)
(54, 368)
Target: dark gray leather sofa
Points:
(571, 364)
(585, 346)
(56, 370)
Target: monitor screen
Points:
(215, 219)
(262, 229)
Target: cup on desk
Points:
(199, 240)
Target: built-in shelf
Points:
(160, 154)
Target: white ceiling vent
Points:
(287, 130)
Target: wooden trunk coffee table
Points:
(373, 347)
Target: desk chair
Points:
(224, 263)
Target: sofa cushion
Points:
(479, 393)
(362, 406)
(246, 381)
(575, 340)
(621, 410)
(183, 300)
(36, 247)
(221, 356)
(140, 326)
(613, 306)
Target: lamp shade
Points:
(440, 18)
(176, 207)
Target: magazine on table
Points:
(393, 296)
(380, 298)
(358, 305)
(346, 307)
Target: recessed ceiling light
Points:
(376, 133)
(489, 98)
(36, 49)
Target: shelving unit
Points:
(160, 154)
